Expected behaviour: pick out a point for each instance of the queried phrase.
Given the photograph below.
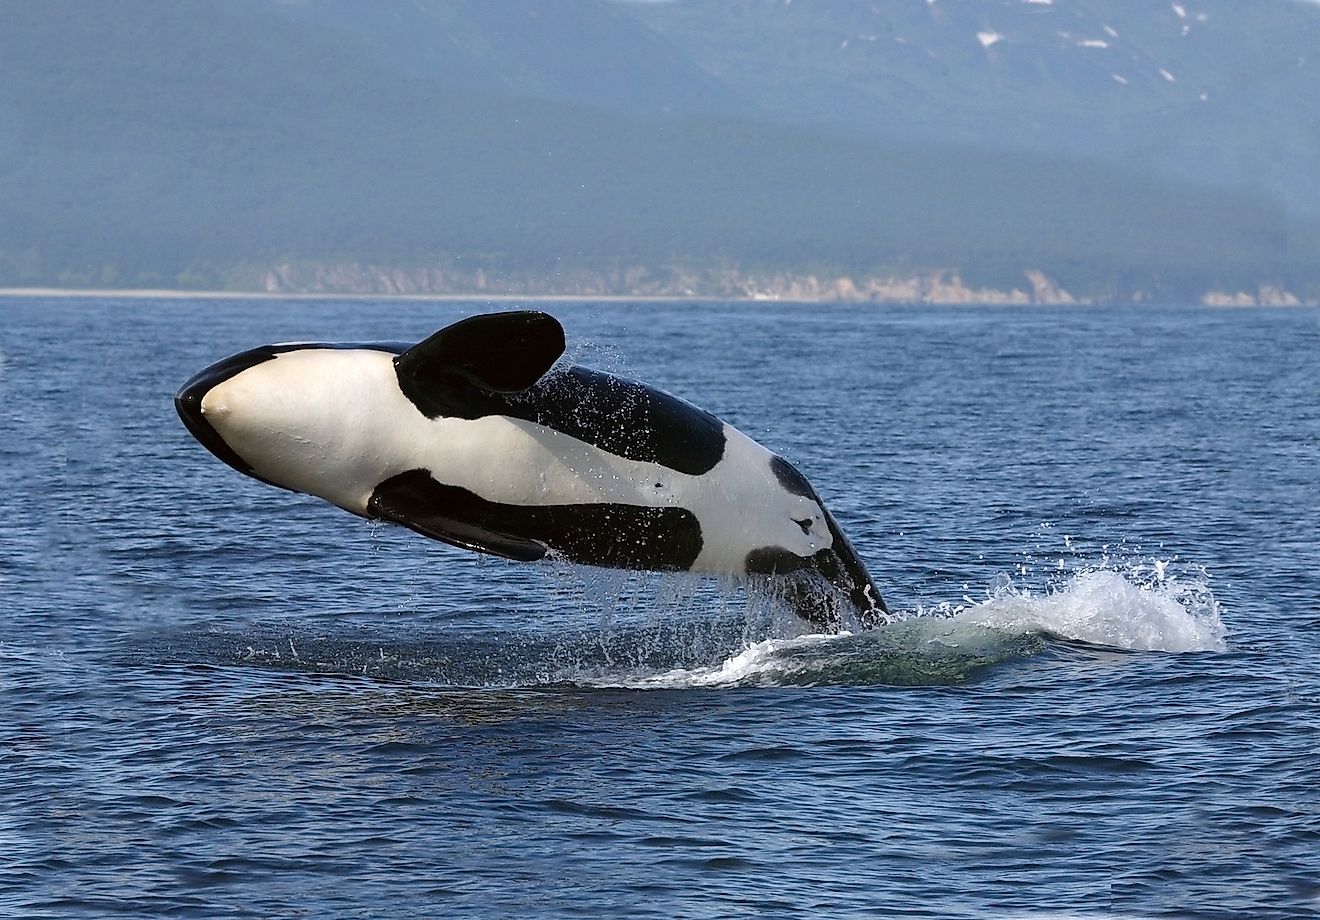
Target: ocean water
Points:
(1100, 529)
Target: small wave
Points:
(1143, 608)
(900, 654)
(759, 660)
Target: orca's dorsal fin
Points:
(497, 352)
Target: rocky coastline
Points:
(932, 287)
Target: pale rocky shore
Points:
(934, 287)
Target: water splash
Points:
(768, 660)
(687, 639)
(1142, 607)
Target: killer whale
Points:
(478, 438)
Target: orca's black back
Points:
(626, 418)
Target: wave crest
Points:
(1140, 609)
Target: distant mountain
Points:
(1225, 92)
(585, 52)
(610, 146)
(1217, 91)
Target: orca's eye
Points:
(804, 523)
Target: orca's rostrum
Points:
(475, 438)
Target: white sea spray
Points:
(1138, 609)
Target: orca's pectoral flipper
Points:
(448, 514)
(499, 352)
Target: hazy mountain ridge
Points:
(211, 144)
(1218, 91)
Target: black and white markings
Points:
(605, 534)
(441, 377)
(476, 438)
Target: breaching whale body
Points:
(477, 437)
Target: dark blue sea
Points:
(1100, 529)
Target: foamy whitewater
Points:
(1122, 610)
(1139, 609)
